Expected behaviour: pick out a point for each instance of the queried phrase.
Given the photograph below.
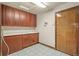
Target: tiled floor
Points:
(38, 50)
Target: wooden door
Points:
(66, 31)
(77, 31)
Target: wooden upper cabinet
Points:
(8, 16)
(28, 19)
(0, 27)
(32, 20)
(15, 17)
(0, 14)
(4, 20)
(24, 18)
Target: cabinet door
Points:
(0, 46)
(32, 20)
(27, 40)
(8, 16)
(14, 43)
(27, 19)
(35, 37)
(0, 14)
(11, 44)
(24, 17)
(66, 31)
(18, 39)
(4, 49)
(14, 17)
(0, 26)
(17, 17)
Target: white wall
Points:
(8, 31)
(47, 33)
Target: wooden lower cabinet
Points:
(18, 42)
(14, 43)
(0, 49)
(27, 40)
(34, 37)
(30, 39)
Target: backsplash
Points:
(7, 31)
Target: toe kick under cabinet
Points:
(18, 42)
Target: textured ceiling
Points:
(34, 8)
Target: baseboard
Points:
(47, 45)
(53, 48)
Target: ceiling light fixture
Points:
(40, 4)
(45, 3)
(21, 6)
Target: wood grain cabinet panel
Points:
(32, 20)
(0, 14)
(14, 43)
(4, 49)
(24, 17)
(27, 40)
(30, 39)
(27, 19)
(34, 37)
(18, 39)
(0, 48)
(0, 27)
(8, 16)
(18, 42)
(11, 43)
(15, 17)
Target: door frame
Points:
(56, 22)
